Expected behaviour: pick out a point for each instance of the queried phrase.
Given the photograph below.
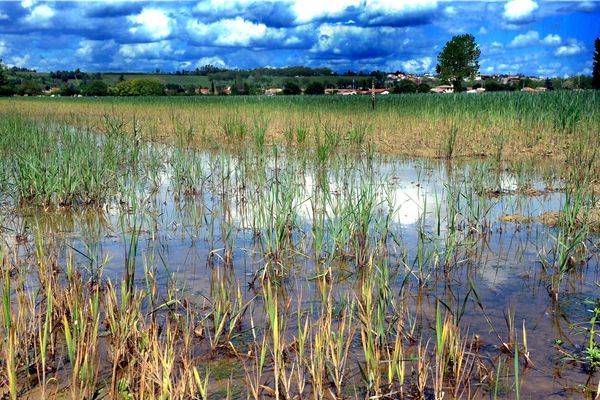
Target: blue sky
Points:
(544, 38)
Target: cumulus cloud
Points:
(491, 49)
(310, 10)
(146, 50)
(571, 49)
(272, 13)
(416, 66)
(151, 23)
(280, 13)
(349, 34)
(20, 61)
(214, 61)
(85, 50)
(239, 32)
(552, 40)
(335, 40)
(525, 39)
(232, 32)
(96, 50)
(532, 38)
(450, 11)
(519, 11)
(40, 15)
(398, 12)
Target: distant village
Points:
(393, 84)
(266, 81)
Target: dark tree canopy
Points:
(423, 88)
(3, 80)
(291, 88)
(596, 71)
(95, 88)
(69, 90)
(405, 86)
(5, 88)
(315, 88)
(459, 60)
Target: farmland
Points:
(429, 246)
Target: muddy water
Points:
(186, 227)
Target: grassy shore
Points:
(492, 124)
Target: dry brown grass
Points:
(391, 132)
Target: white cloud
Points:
(27, 3)
(3, 48)
(508, 68)
(232, 32)
(20, 61)
(525, 39)
(40, 15)
(417, 66)
(238, 31)
(347, 40)
(151, 23)
(412, 66)
(483, 31)
(493, 48)
(85, 50)
(519, 11)
(3, 16)
(309, 10)
(571, 49)
(552, 40)
(450, 11)
(145, 50)
(214, 61)
(532, 38)
(370, 12)
(89, 50)
(382, 11)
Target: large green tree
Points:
(596, 71)
(459, 60)
(5, 88)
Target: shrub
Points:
(139, 87)
(95, 88)
(291, 88)
(315, 88)
(69, 90)
(405, 86)
(29, 88)
(424, 88)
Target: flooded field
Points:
(133, 269)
